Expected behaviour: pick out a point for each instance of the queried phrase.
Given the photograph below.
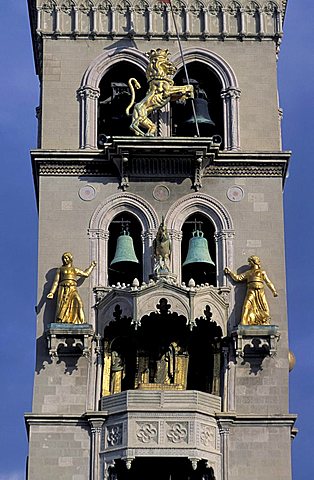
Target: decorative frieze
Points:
(153, 18)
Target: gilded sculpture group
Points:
(171, 368)
(69, 309)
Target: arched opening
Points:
(114, 98)
(198, 250)
(125, 250)
(163, 353)
(205, 356)
(208, 103)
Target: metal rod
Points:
(184, 66)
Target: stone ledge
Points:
(255, 340)
(69, 336)
(143, 400)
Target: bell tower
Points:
(162, 335)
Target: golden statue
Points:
(162, 249)
(117, 372)
(255, 309)
(159, 74)
(69, 303)
(168, 372)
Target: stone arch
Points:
(230, 92)
(89, 91)
(217, 213)
(99, 229)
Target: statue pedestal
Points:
(255, 340)
(71, 338)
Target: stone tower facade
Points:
(163, 378)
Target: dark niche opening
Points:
(208, 104)
(115, 96)
(198, 246)
(125, 243)
(161, 468)
(162, 354)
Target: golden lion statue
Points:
(159, 74)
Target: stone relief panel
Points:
(114, 435)
(177, 432)
(147, 432)
(207, 436)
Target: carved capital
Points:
(88, 92)
(98, 233)
(231, 93)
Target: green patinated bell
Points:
(125, 249)
(198, 250)
(202, 114)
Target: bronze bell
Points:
(125, 249)
(198, 249)
(202, 114)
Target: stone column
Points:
(88, 126)
(224, 257)
(230, 98)
(175, 259)
(96, 425)
(224, 430)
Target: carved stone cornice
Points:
(70, 162)
(109, 19)
(249, 164)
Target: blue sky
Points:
(19, 97)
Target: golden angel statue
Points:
(255, 309)
(69, 303)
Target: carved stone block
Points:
(69, 336)
(255, 340)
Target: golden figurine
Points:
(255, 309)
(117, 373)
(159, 74)
(69, 303)
(162, 249)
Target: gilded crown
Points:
(158, 53)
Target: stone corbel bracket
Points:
(122, 162)
(255, 340)
(69, 336)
